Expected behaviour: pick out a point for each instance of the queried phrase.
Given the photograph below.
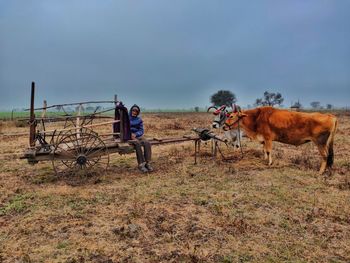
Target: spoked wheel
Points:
(80, 152)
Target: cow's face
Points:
(232, 120)
(220, 118)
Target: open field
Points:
(216, 211)
(8, 115)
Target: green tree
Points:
(223, 97)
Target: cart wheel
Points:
(80, 152)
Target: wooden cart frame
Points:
(77, 147)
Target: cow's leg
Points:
(265, 154)
(268, 150)
(323, 149)
(264, 150)
(324, 153)
(229, 139)
(236, 139)
(239, 138)
(323, 140)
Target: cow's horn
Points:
(234, 108)
(211, 107)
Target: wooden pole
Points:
(121, 119)
(43, 114)
(115, 105)
(32, 118)
(80, 107)
(121, 126)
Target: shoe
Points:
(142, 168)
(149, 167)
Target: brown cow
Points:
(267, 124)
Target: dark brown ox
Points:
(267, 124)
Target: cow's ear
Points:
(233, 106)
(241, 114)
(236, 108)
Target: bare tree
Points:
(315, 104)
(329, 106)
(270, 99)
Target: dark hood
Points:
(135, 106)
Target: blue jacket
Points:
(136, 126)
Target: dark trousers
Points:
(146, 155)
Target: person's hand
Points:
(133, 137)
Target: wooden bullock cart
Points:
(76, 147)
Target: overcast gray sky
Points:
(174, 54)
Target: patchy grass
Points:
(17, 204)
(238, 210)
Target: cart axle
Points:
(81, 160)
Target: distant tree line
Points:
(317, 105)
(227, 97)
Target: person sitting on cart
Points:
(137, 132)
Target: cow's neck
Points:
(248, 122)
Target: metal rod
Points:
(85, 126)
(43, 114)
(121, 115)
(14, 134)
(80, 107)
(53, 119)
(71, 104)
(32, 118)
(108, 134)
(51, 131)
(115, 105)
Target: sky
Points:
(174, 54)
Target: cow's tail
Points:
(330, 156)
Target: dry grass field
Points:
(236, 210)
